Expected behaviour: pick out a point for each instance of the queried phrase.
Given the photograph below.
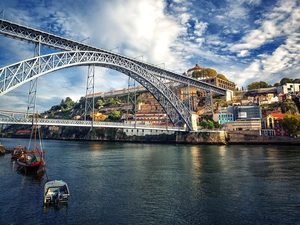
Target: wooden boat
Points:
(56, 191)
(17, 152)
(33, 160)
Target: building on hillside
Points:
(283, 97)
(246, 118)
(194, 93)
(289, 88)
(189, 72)
(149, 113)
(244, 112)
(144, 132)
(245, 125)
(77, 117)
(272, 121)
(228, 85)
(23, 132)
(261, 92)
(223, 115)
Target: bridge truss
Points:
(81, 123)
(79, 54)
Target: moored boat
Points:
(31, 163)
(17, 152)
(56, 191)
(33, 160)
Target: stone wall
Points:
(202, 137)
(245, 138)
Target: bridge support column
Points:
(31, 104)
(90, 85)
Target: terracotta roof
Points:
(278, 116)
(197, 67)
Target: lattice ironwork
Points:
(25, 33)
(90, 86)
(146, 74)
(80, 123)
(24, 71)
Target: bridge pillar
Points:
(90, 85)
(31, 104)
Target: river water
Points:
(129, 183)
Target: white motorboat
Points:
(56, 191)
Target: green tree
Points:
(289, 106)
(67, 103)
(285, 81)
(291, 122)
(210, 72)
(216, 124)
(204, 73)
(257, 85)
(207, 124)
(197, 74)
(112, 101)
(115, 115)
(221, 76)
(296, 81)
(99, 104)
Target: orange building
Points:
(273, 121)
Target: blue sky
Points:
(246, 40)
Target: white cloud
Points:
(243, 53)
(174, 34)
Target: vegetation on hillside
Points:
(207, 72)
(257, 85)
(291, 122)
(263, 84)
(68, 109)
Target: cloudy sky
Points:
(246, 40)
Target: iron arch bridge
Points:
(17, 74)
(78, 54)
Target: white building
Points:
(289, 88)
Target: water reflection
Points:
(118, 183)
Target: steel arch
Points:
(33, 35)
(15, 75)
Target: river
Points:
(130, 183)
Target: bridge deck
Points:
(82, 123)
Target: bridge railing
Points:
(83, 123)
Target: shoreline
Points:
(191, 139)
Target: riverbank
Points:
(209, 137)
(233, 137)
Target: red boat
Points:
(33, 160)
(17, 152)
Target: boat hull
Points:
(35, 164)
(18, 152)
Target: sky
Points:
(245, 40)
